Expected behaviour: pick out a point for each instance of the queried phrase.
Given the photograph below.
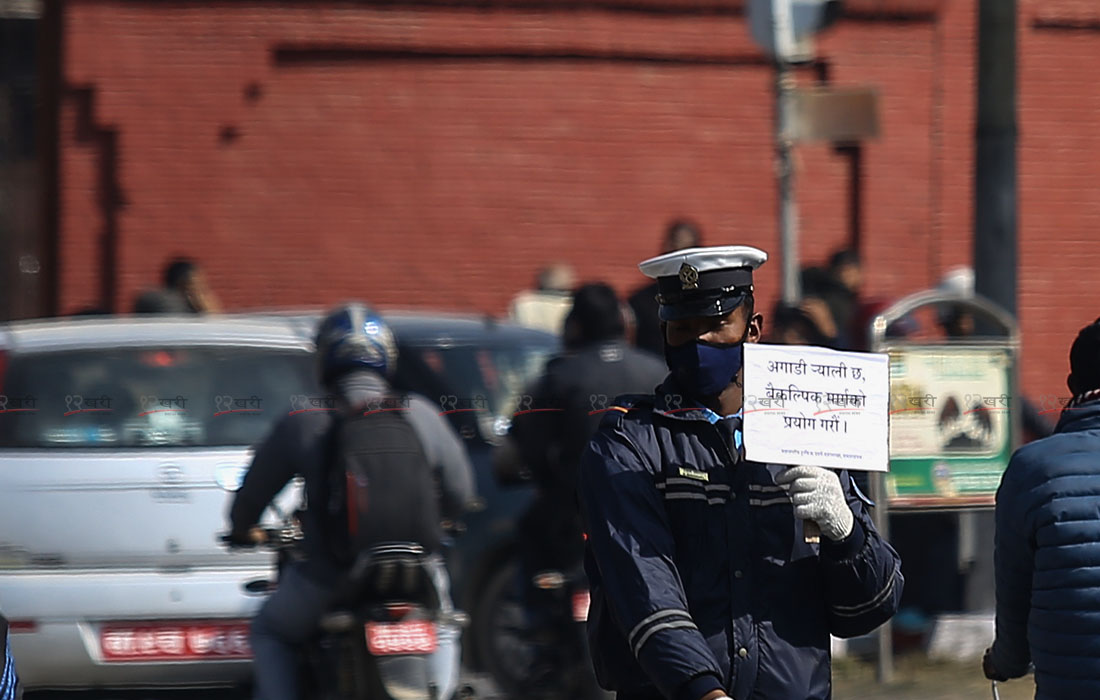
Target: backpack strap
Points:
(333, 488)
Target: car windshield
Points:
(477, 387)
(201, 396)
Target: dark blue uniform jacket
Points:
(1047, 560)
(701, 576)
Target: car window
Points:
(477, 387)
(154, 396)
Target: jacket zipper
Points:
(725, 445)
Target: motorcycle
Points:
(375, 640)
(561, 668)
(533, 631)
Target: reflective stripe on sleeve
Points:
(660, 620)
(856, 610)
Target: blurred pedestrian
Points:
(791, 325)
(568, 402)
(680, 234)
(545, 306)
(185, 277)
(9, 681)
(1047, 547)
(577, 387)
(842, 294)
(816, 284)
(830, 297)
(161, 301)
(955, 319)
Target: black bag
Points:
(379, 488)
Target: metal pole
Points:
(995, 167)
(783, 33)
(995, 210)
(884, 670)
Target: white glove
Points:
(817, 495)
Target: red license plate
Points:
(175, 641)
(414, 637)
(581, 601)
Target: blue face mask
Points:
(704, 369)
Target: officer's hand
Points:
(715, 695)
(817, 495)
(989, 669)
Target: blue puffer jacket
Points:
(1047, 560)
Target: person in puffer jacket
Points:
(1047, 555)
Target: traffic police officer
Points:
(704, 583)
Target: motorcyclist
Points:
(355, 351)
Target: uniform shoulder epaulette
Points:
(625, 404)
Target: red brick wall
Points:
(1059, 174)
(435, 155)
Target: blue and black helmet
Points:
(353, 337)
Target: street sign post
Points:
(837, 115)
(783, 29)
(800, 20)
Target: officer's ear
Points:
(756, 328)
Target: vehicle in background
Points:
(121, 440)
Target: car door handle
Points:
(260, 586)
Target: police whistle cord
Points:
(811, 532)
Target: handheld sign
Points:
(809, 405)
(815, 406)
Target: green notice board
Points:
(951, 425)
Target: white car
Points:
(121, 442)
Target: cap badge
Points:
(689, 277)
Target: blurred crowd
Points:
(833, 311)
